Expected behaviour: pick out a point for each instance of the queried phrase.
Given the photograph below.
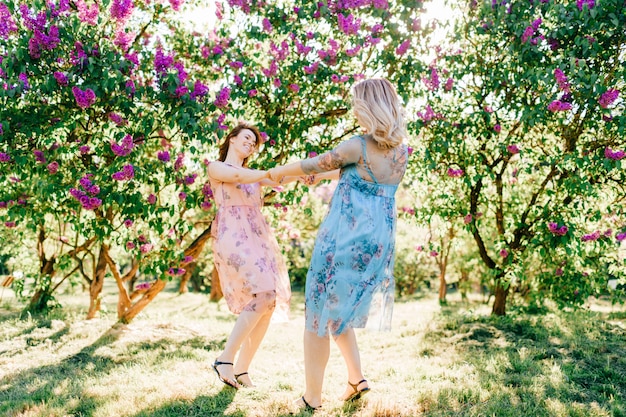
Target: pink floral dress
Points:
(247, 256)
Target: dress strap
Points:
(365, 164)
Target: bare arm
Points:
(312, 179)
(228, 173)
(346, 153)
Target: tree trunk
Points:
(499, 303)
(136, 308)
(184, 280)
(95, 287)
(216, 288)
(443, 288)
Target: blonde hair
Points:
(377, 108)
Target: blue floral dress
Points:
(350, 282)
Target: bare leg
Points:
(261, 306)
(346, 342)
(316, 354)
(250, 347)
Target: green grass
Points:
(455, 360)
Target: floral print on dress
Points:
(246, 254)
(350, 281)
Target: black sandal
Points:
(309, 407)
(357, 394)
(225, 381)
(241, 383)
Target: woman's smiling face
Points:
(244, 143)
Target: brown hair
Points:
(233, 133)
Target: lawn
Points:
(455, 360)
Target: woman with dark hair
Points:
(253, 274)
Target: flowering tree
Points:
(96, 123)
(110, 109)
(529, 124)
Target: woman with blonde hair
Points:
(350, 280)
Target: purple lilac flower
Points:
(558, 272)
(5, 157)
(620, 236)
(561, 80)
(607, 98)
(528, 33)
(220, 122)
(85, 98)
(146, 247)
(163, 156)
(7, 24)
(455, 173)
(88, 15)
(558, 105)
(591, 236)
(117, 119)
(128, 223)
(123, 39)
(124, 148)
(181, 90)
(614, 155)
(180, 159)
(130, 246)
(199, 90)
(403, 47)
(39, 156)
(267, 25)
(9, 224)
(497, 128)
(182, 196)
(582, 3)
(24, 79)
(556, 229)
(162, 62)
(311, 69)
(121, 9)
(152, 199)
(127, 173)
(348, 24)
(252, 93)
(504, 253)
(53, 167)
(61, 78)
(222, 98)
(130, 87)
(84, 149)
(207, 191)
(513, 149)
(176, 4)
(190, 179)
(271, 71)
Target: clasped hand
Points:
(275, 175)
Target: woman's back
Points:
(382, 165)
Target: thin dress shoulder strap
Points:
(365, 163)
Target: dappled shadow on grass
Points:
(574, 362)
(201, 406)
(36, 386)
(66, 384)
